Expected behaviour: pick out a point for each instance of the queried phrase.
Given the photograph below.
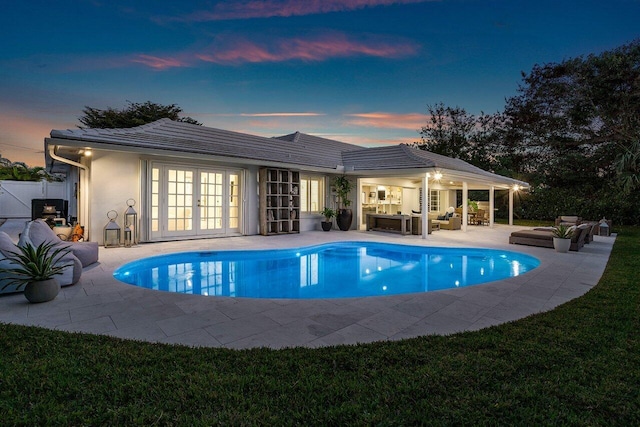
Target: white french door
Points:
(189, 201)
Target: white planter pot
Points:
(561, 245)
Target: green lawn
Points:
(526, 222)
(576, 365)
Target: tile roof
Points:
(296, 148)
(173, 136)
(407, 157)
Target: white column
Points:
(510, 205)
(84, 199)
(465, 207)
(425, 206)
(491, 205)
(358, 215)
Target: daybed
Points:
(69, 276)
(544, 237)
(36, 232)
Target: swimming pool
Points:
(333, 270)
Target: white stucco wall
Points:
(115, 178)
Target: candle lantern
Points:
(604, 227)
(128, 239)
(112, 231)
(131, 221)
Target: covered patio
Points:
(398, 179)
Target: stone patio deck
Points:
(99, 304)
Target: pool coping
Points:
(100, 304)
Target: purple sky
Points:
(360, 71)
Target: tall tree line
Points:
(572, 131)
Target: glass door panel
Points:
(210, 202)
(234, 202)
(179, 201)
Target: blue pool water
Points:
(334, 270)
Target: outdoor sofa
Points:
(69, 276)
(448, 221)
(543, 237)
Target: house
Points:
(190, 181)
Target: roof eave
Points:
(150, 152)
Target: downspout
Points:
(63, 160)
(85, 168)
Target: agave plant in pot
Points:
(344, 216)
(328, 213)
(562, 235)
(36, 268)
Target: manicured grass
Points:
(576, 365)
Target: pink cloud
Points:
(283, 8)
(318, 48)
(232, 50)
(411, 121)
(281, 114)
(366, 141)
(158, 63)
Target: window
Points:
(434, 201)
(311, 193)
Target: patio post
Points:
(465, 206)
(510, 205)
(425, 206)
(492, 206)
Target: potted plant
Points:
(35, 270)
(344, 216)
(562, 237)
(328, 213)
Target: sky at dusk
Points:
(359, 71)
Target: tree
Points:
(453, 132)
(572, 131)
(579, 120)
(19, 171)
(135, 114)
(448, 131)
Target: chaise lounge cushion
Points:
(568, 220)
(37, 231)
(69, 276)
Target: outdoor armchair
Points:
(37, 231)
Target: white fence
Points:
(16, 196)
